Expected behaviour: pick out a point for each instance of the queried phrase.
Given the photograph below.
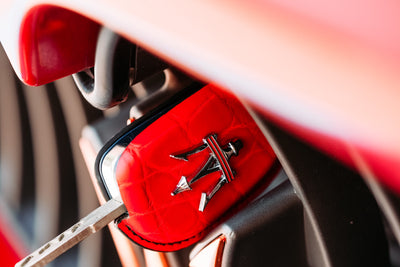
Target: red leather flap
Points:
(147, 174)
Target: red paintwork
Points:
(341, 43)
(147, 174)
(370, 22)
(55, 42)
(11, 251)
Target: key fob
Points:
(184, 167)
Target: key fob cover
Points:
(185, 167)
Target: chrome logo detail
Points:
(217, 161)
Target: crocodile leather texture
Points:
(147, 174)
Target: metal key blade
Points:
(90, 224)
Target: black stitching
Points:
(246, 199)
(166, 244)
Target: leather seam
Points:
(244, 199)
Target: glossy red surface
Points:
(147, 174)
(337, 59)
(55, 42)
(11, 250)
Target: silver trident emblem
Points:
(217, 161)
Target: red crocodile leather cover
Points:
(147, 174)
